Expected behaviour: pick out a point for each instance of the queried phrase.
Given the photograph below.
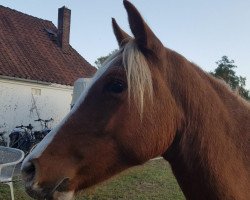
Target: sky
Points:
(202, 31)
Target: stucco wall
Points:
(22, 102)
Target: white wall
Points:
(22, 102)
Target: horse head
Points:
(117, 123)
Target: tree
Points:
(99, 61)
(225, 70)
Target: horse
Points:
(147, 101)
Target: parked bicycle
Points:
(3, 140)
(45, 130)
(24, 138)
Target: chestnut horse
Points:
(147, 101)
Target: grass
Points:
(19, 192)
(154, 180)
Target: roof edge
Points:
(20, 12)
(10, 78)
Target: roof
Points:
(28, 50)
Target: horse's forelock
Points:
(139, 76)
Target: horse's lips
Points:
(46, 193)
(36, 194)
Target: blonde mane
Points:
(138, 73)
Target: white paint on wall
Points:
(22, 102)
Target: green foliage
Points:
(99, 61)
(225, 70)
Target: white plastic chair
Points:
(9, 158)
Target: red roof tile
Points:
(29, 51)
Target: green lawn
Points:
(154, 180)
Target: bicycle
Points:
(22, 138)
(39, 135)
(45, 130)
(3, 141)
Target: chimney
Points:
(63, 27)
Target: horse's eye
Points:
(116, 86)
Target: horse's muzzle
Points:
(50, 192)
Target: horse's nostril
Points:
(28, 171)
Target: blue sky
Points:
(202, 31)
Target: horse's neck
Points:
(210, 155)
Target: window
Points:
(36, 91)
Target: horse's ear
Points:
(144, 36)
(121, 36)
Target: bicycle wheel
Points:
(3, 143)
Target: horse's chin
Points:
(58, 192)
(56, 195)
(63, 195)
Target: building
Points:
(38, 68)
